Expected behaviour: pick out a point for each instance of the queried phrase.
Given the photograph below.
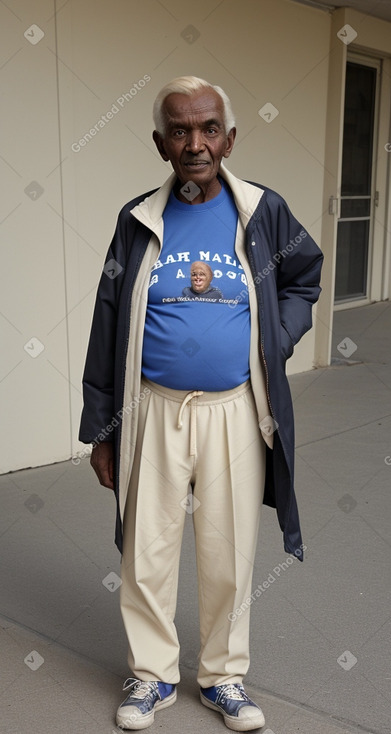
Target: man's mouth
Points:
(196, 164)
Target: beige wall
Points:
(56, 90)
(34, 386)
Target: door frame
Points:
(373, 41)
(374, 245)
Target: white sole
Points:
(134, 722)
(232, 722)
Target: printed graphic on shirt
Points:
(199, 281)
(201, 276)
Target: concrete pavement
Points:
(320, 634)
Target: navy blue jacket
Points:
(286, 265)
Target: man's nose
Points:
(195, 141)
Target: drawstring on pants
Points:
(193, 417)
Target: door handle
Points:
(333, 205)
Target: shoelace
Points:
(233, 691)
(139, 689)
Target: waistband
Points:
(203, 398)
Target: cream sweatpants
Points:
(199, 453)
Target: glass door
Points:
(357, 197)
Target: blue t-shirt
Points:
(197, 328)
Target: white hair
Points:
(188, 85)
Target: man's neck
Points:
(187, 193)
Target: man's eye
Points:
(211, 130)
(179, 133)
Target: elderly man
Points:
(196, 398)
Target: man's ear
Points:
(159, 142)
(230, 142)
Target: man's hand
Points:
(102, 462)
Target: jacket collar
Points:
(150, 210)
(246, 195)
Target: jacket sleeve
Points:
(298, 275)
(98, 378)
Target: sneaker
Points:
(231, 700)
(144, 698)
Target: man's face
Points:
(201, 277)
(195, 140)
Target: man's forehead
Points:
(205, 103)
(200, 266)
